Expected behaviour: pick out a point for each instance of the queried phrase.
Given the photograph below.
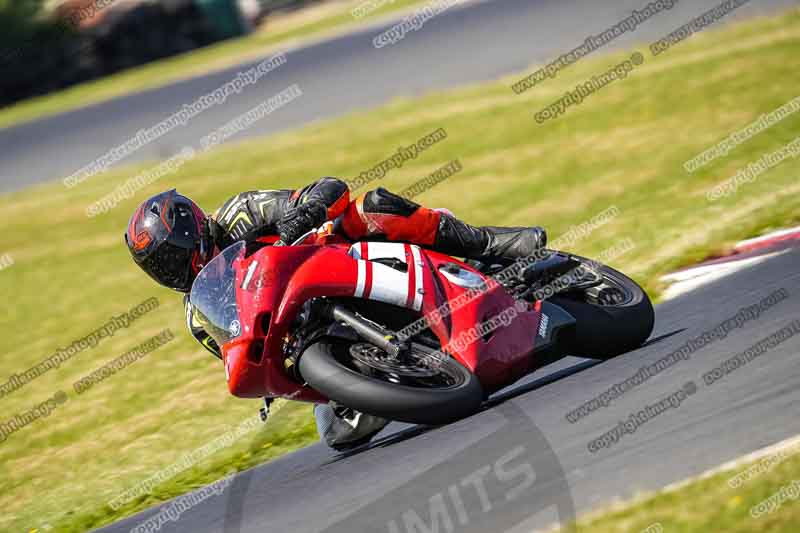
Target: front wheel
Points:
(613, 316)
(418, 387)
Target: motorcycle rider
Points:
(172, 239)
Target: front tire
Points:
(323, 366)
(606, 331)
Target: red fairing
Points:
(282, 281)
(275, 282)
(503, 356)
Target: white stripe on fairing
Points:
(249, 277)
(389, 285)
(355, 251)
(385, 250)
(362, 278)
(411, 288)
(420, 280)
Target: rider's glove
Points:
(301, 219)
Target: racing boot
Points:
(458, 238)
(344, 429)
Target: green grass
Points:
(275, 35)
(624, 146)
(709, 505)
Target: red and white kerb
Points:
(380, 282)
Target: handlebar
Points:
(302, 238)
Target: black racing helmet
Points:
(168, 238)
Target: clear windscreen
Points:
(213, 295)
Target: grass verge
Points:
(624, 147)
(718, 503)
(280, 31)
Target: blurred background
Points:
(46, 45)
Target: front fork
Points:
(338, 314)
(385, 340)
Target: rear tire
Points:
(320, 366)
(603, 332)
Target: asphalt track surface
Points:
(411, 470)
(476, 42)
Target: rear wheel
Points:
(421, 386)
(614, 315)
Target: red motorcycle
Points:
(404, 333)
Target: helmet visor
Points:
(171, 266)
